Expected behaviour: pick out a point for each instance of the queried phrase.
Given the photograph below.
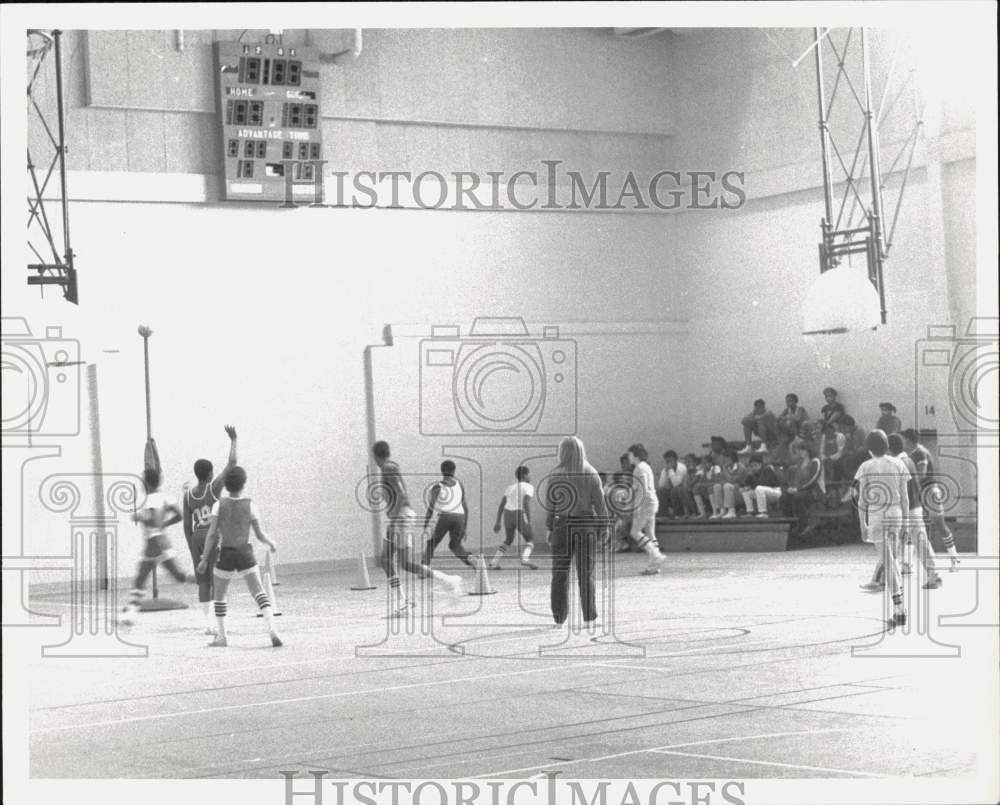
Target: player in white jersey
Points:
(447, 500)
(882, 500)
(158, 512)
(514, 514)
(646, 504)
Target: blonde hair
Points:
(572, 456)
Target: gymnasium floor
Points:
(728, 665)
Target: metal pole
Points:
(97, 467)
(873, 171)
(824, 135)
(69, 288)
(145, 332)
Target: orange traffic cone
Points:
(481, 586)
(364, 582)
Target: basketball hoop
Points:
(841, 300)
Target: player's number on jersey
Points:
(200, 516)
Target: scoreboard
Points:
(269, 109)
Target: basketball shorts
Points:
(158, 549)
(402, 528)
(882, 525)
(235, 562)
(516, 521)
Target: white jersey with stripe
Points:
(449, 498)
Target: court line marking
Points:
(770, 763)
(339, 694)
(645, 750)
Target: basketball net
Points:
(821, 345)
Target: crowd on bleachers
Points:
(789, 464)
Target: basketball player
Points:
(157, 514)
(646, 506)
(229, 528)
(931, 492)
(448, 500)
(399, 534)
(198, 503)
(882, 499)
(916, 530)
(515, 512)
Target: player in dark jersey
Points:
(198, 503)
(932, 493)
(229, 528)
(403, 524)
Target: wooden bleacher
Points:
(739, 535)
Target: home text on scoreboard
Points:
(269, 111)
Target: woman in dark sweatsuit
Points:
(578, 520)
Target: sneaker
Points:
(761, 515)
(219, 642)
(905, 569)
(899, 619)
(729, 515)
(529, 565)
(933, 583)
(276, 641)
(652, 570)
(715, 516)
(746, 451)
(872, 587)
(402, 609)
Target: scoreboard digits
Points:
(269, 111)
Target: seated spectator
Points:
(833, 410)
(731, 477)
(888, 421)
(792, 419)
(781, 456)
(855, 452)
(717, 444)
(674, 483)
(702, 483)
(760, 421)
(832, 447)
(764, 482)
(805, 488)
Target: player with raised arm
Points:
(403, 522)
(229, 527)
(198, 504)
(514, 515)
